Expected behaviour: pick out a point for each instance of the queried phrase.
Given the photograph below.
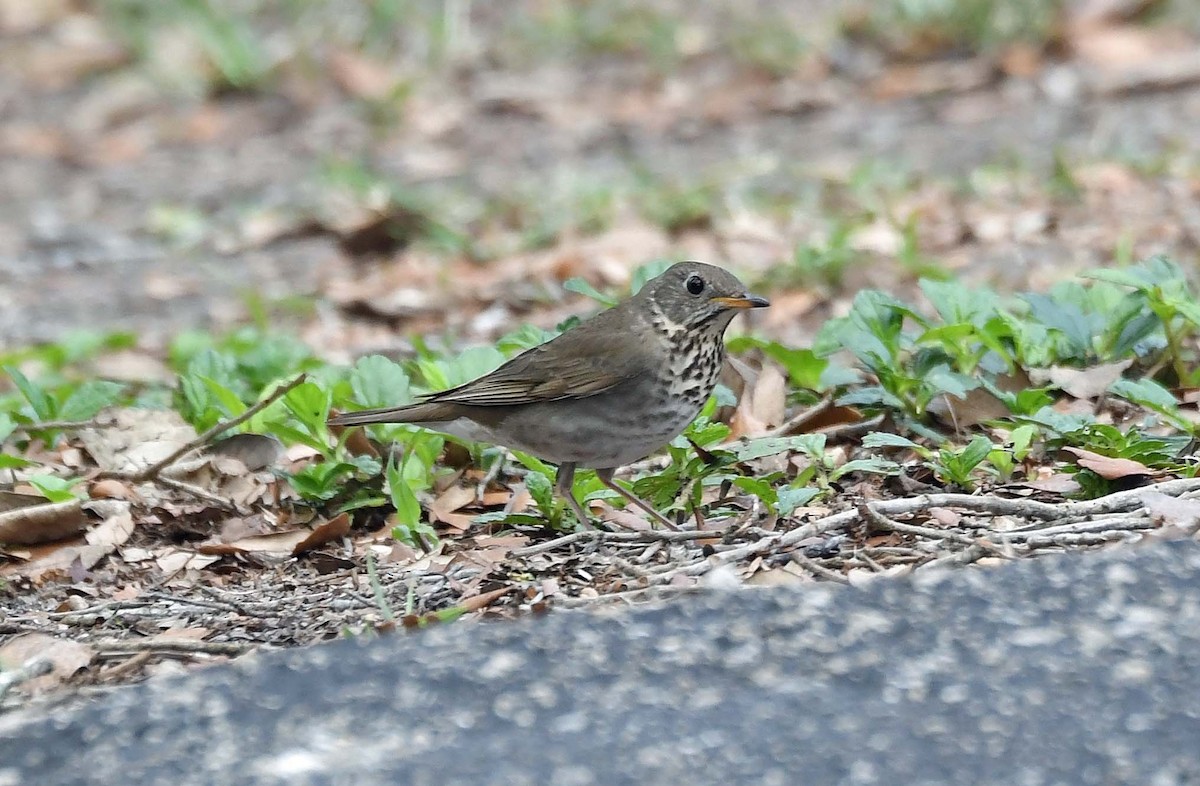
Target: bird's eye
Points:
(695, 285)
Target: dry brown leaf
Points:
(38, 521)
(948, 76)
(945, 516)
(274, 543)
(335, 528)
(627, 519)
(182, 634)
(485, 599)
(138, 438)
(360, 76)
(763, 408)
(450, 500)
(358, 443)
(1107, 467)
(1086, 383)
(296, 453)
(979, 405)
(112, 532)
(254, 451)
(66, 657)
(173, 561)
(788, 308)
(110, 488)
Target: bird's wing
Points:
(572, 365)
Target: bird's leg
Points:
(562, 484)
(606, 477)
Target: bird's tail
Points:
(425, 412)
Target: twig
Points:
(654, 593)
(190, 646)
(797, 422)
(1120, 502)
(817, 569)
(129, 665)
(1105, 524)
(886, 524)
(215, 500)
(64, 425)
(957, 559)
(623, 536)
(1077, 539)
(202, 440)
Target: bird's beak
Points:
(745, 301)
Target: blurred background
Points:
(363, 171)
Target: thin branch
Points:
(189, 646)
(1123, 501)
(872, 514)
(152, 471)
(64, 425)
(217, 501)
(817, 569)
(643, 537)
(797, 422)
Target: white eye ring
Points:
(694, 284)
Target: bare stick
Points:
(817, 569)
(624, 536)
(189, 646)
(886, 524)
(64, 425)
(202, 440)
(797, 422)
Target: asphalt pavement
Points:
(1079, 669)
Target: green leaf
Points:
(705, 432)
(1021, 438)
(975, 452)
(8, 461)
(789, 498)
(956, 303)
(380, 382)
(309, 402)
(886, 439)
(7, 426)
(1065, 317)
(874, 466)
(1145, 392)
(810, 444)
(321, 480)
(89, 398)
(39, 400)
(533, 463)
(472, 363)
(408, 508)
(759, 488)
(524, 337)
(229, 401)
(804, 368)
(290, 435)
(582, 287)
(54, 488)
(644, 274)
(542, 491)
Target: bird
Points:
(607, 392)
